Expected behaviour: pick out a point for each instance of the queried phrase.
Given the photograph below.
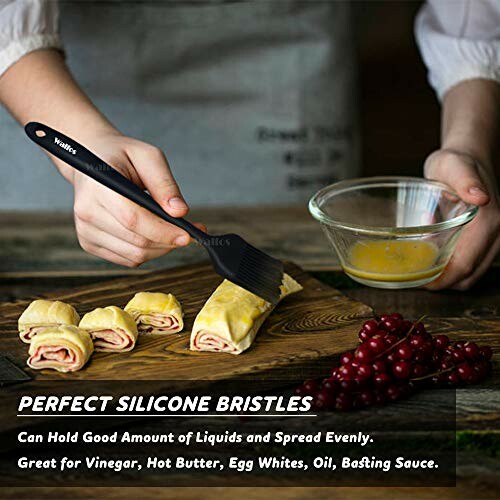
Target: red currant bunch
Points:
(395, 358)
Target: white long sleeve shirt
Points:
(459, 40)
(26, 25)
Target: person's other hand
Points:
(114, 228)
(479, 242)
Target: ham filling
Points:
(58, 357)
(27, 335)
(112, 340)
(205, 341)
(157, 323)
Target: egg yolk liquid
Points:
(393, 260)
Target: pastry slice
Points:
(63, 348)
(43, 314)
(156, 312)
(232, 316)
(111, 328)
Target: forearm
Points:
(39, 87)
(470, 121)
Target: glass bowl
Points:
(391, 232)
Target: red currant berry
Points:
(404, 351)
(347, 385)
(482, 368)
(324, 400)
(376, 344)
(405, 326)
(390, 339)
(391, 358)
(460, 344)
(418, 370)
(310, 386)
(446, 364)
(346, 358)
(330, 384)
(391, 324)
(364, 371)
(427, 348)
(360, 382)
(381, 379)
(379, 366)
(364, 336)
(419, 328)
(457, 356)
(471, 350)
(453, 378)
(464, 371)
(449, 349)
(417, 341)
(420, 357)
(366, 398)
(474, 377)
(441, 341)
(393, 393)
(370, 326)
(396, 316)
(343, 402)
(401, 369)
(486, 352)
(436, 358)
(383, 317)
(347, 371)
(363, 353)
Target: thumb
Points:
(154, 171)
(460, 173)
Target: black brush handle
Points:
(80, 158)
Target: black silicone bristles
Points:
(261, 274)
(247, 266)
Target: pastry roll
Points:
(156, 312)
(232, 316)
(111, 328)
(63, 348)
(43, 314)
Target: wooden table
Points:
(39, 253)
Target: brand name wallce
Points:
(65, 146)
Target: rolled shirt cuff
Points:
(451, 59)
(452, 78)
(19, 48)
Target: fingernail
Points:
(177, 202)
(476, 190)
(181, 241)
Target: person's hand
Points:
(114, 228)
(479, 242)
